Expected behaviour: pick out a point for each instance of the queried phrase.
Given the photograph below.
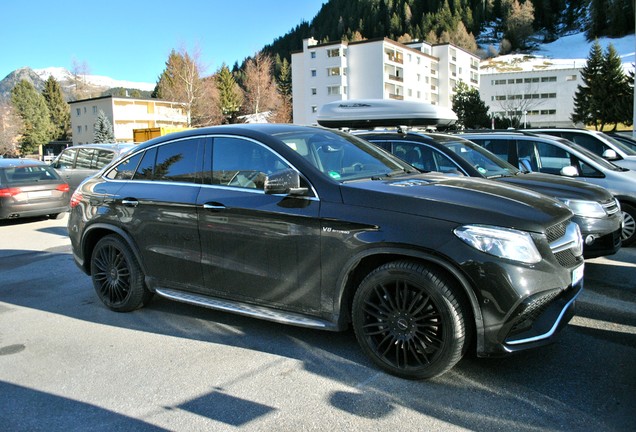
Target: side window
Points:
(242, 163)
(586, 170)
(85, 159)
(552, 158)
(499, 147)
(66, 158)
(103, 158)
(527, 156)
(587, 141)
(146, 168)
(126, 169)
(177, 162)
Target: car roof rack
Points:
(371, 113)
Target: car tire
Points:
(117, 276)
(57, 216)
(410, 320)
(628, 235)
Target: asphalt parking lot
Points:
(67, 363)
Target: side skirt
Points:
(250, 310)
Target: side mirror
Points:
(284, 182)
(569, 171)
(610, 154)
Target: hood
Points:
(462, 200)
(559, 186)
(628, 162)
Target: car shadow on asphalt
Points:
(519, 386)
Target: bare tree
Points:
(261, 93)
(79, 71)
(206, 110)
(181, 80)
(516, 105)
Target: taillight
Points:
(76, 198)
(63, 187)
(9, 192)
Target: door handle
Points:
(213, 206)
(129, 202)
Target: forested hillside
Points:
(517, 22)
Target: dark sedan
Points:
(30, 188)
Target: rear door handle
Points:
(130, 202)
(213, 206)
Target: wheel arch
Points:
(363, 263)
(95, 233)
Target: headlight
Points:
(584, 208)
(501, 242)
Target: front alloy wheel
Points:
(628, 235)
(117, 276)
(409, 320)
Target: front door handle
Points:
(213, 206)
(130, 202)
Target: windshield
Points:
(485, 162)
(343, 157)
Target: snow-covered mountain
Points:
(63, 75)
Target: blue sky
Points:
(131, 40)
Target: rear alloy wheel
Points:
(628, 235)
(409, 320)
(117, 276)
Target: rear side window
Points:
(177, 162)
(85, 159)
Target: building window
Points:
(334, 71)
(314, 109)
(94, 109)
(79, 129)
(84, 110)
(333, 90)
(313, 72)
(548, 79)
(314, 92)
(78, 111)
(571, 78)
(334, 52)
(313, 54)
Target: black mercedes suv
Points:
(321, 229)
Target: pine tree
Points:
(31, 107)
(586, 100)
(615, 89)
(230, 95)
(103, 129)
(58, 109)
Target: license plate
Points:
(577, 274)
(40, 194)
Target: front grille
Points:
(556, 231)
(532, 309)
(610, 207)
(566, 243)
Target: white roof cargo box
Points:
(369, 113)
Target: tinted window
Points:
(177, 162)
(29, 174)
(126, 169)
(242, 163)
(587, 141)
(146, 168)
(86, 159)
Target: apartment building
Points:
(535, 92)
(377, 69)
(125, 114)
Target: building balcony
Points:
(396, 78)
(396, 96)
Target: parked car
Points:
(76, 163)
(553, 155)
(596, 142)
(30, 188)
(596, 211)
(317, 228)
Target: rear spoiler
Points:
(370, 113)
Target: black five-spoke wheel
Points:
(117, 276)
(409, 320)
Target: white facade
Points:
(125, 114)
(377, 69)
(540, 96)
